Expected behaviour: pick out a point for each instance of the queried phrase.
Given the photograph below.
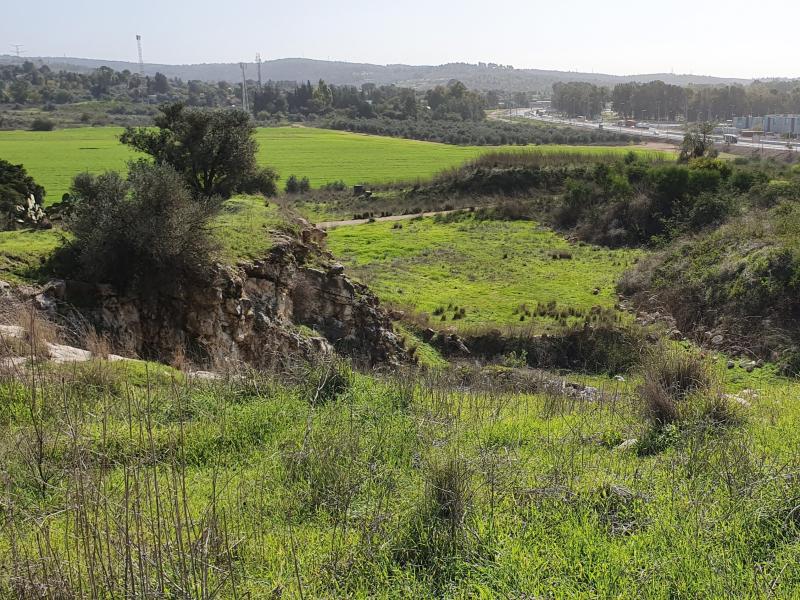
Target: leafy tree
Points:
(214, 150)
(101, 81)
(697, 143)
(160, 84)
(19, 91)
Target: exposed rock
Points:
(63, 354)
(249, 313)
(627, 444)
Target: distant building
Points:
(748, 122)
(782, 124)
(777, 124)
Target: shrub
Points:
(328, 381)
(292, 185)
(709, 209)
(42, 124)
(16, 186)
(145, 232)
(438, 531)
(335, 186)
(262, 181)
(668, 379)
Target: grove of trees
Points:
(657, 100)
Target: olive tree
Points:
(214, 150)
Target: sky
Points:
(727, 38)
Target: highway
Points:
(654, 133)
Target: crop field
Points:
(496, 271)
(323, 156)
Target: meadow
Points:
(323, 156)
(498, 272)
(136, 480)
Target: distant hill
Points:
(481, 77)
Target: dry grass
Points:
(36, 331)
(669, 377)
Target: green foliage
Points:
(16, 186)
(579, 99)
(144, 232)
(721, 278)
(41, 124)
(476, 133)
(297, 186)
(215, 151)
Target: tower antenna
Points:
(139, 47)
(245, 103)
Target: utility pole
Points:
(258, 65)
(245, 103)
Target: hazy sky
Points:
(714, 37)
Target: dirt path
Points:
(334, 224)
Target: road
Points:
(661, 134)
(333, 224)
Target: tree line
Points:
(28, 84)
(657, 100)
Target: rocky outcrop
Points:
(295, 302)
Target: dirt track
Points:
(334, 224)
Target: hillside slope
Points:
(482, 76)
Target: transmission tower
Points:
(258, 65)
(139, 47)
(18, 49)
(245, 103)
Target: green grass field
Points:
(126, 479)
(490, 268)
(54, 157)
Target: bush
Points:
(263, 181)
(16, 186)
(669, 378)
(145, 232)
(292, 185)
(42, 124)
(335, 186)
(328, 381)
(709, 209)
(297, 186)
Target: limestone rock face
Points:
(249, 313)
